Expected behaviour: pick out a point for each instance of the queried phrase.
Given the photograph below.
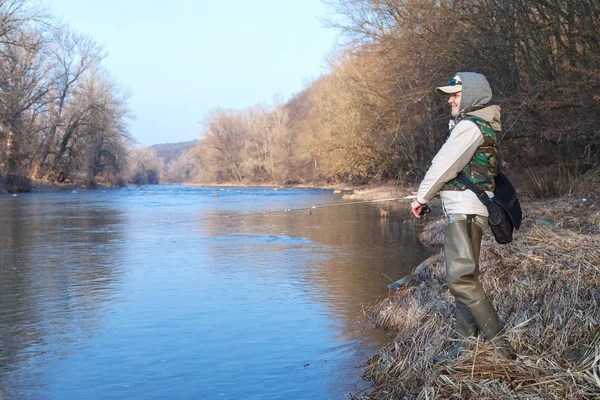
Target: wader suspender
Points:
(469, 222)
(481, 195)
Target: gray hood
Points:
(476, 91)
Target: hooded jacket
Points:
(461, 145)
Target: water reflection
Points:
(57, 273)
(174, 292)
(342, 258)
(362, 251)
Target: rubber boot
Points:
(465, 327)
(489, 324)
(461, 255)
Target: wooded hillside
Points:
(375, 117)
(168, 152)
(62, 116)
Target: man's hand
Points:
(416, 207)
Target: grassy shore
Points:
(546, 287)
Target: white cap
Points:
(454, 86)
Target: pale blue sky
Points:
(182, 58)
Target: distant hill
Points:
(170, 151)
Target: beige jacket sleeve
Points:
(454, 155)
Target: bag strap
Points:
(481, 194)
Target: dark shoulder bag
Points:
(504, 208)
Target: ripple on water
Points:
(153, 294)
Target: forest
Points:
(376, 119)
(63, 117)
(373, 119)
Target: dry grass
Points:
(545, 285)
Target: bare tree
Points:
(184, 168)
(224, 142)
(268, 144)
(99, 142)
(144, 167)
(59, 118)
(71, 56)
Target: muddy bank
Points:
(545, 285)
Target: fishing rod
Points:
(424, 210)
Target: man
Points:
(470, 149)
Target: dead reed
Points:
(546, 287)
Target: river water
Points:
(179, 292)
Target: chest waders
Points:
(462, 244)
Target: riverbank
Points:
(545, 285)
(38, 186)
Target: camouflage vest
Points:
(482, 168)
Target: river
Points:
(182, 292)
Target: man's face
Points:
(454, 101)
